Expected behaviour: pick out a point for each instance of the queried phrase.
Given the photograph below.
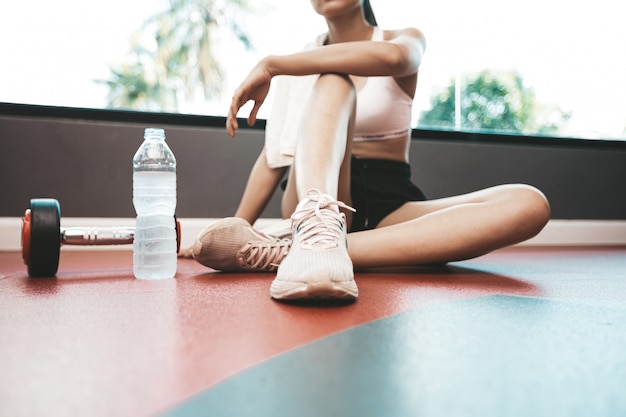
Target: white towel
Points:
(281, 130)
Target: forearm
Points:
(260, 187)
(354, 58)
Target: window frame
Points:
(218, 122)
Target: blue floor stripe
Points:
(490, 356)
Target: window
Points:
(538, 67)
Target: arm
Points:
(261, 184)
(399, 57)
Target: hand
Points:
(255, 87)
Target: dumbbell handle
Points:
(97, 235)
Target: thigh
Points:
(415, 209)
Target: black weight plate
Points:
(45, 237)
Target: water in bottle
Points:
(154, 198)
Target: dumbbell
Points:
(43, 236)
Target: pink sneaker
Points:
(318, 265)
(232, 244)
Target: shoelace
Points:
(320, 225)
(264, 256)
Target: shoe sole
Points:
(321, 290)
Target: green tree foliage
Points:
(172, 55)
(493, 101)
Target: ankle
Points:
(312, 198)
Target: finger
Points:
(231, 124)
(234, 109)
(254, 112)
(231, 120)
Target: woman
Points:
(347, 144)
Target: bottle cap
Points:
(154, 133)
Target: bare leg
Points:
(452, 228)
(318, 264)
(322, 159)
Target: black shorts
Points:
(378, 187)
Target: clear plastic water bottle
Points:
(154, 198)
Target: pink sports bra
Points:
(383, 109)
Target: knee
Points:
(333, 98)
(531, 208)
(336, 82)
(335, 77)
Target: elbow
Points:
(400, 63)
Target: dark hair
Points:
(369, 13)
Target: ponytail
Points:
(369, 13)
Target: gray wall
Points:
(86, 165)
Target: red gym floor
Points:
(519, 332)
